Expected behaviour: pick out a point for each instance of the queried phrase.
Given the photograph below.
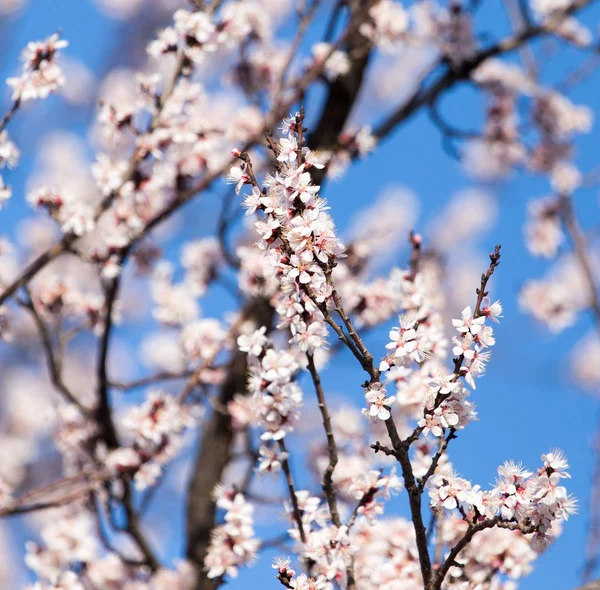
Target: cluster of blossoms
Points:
(73, 215)
(155, 431)
(383, 549)
(355, 456)
(42, 73)
(165, 120)
(475, 337)
(449, 30)
(417, 348)
(387, 23)
(202, 260)
(533, 503)
(232, 544)
(170, 151)
(446, 406)
(500, 552)
(543, 231)
(9, 156)
(174, 131)
(275, 397)
(570, 29)
(367, 488)
(558, 121)
(335, 62)
(556, 299)
(327, 545)
(156, 426)
(373, 301)
(66, 541)
(502, 146)
(176, 304)
(255, 277)
(76, 438)
(388, 555)
(72, 301)
(297, 234)
(194, 35)
(370, 302)
(71, 558)
(287, 576)
(376, 397)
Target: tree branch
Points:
(331, 444)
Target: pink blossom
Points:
(376, 397)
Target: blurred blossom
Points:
(9, 267)
(80, 82)
(482, 160)
(585, 367)
(383, 226)
(543, 230)
(37, 233)
(119, 9)
(558, 298)
(119, 87)
(396, 76)
(41, 73)
(62, 164)
(10, 6)
(21, 388)
(77, 371)
(161, 351)
(8, 560)
(122, 361)
(462, 278)
(17, 454)
(471, 212)
(278, 10)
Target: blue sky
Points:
(526, 403)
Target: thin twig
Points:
(296, 513)
(52, 360)
(134, 530)
(580, 247)
(301, 29)
(436, 458)
(150, 380)
(331, 444)
(10, 114)
(581, 252)
(429, 94)
(103, 411)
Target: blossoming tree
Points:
(229, 393)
